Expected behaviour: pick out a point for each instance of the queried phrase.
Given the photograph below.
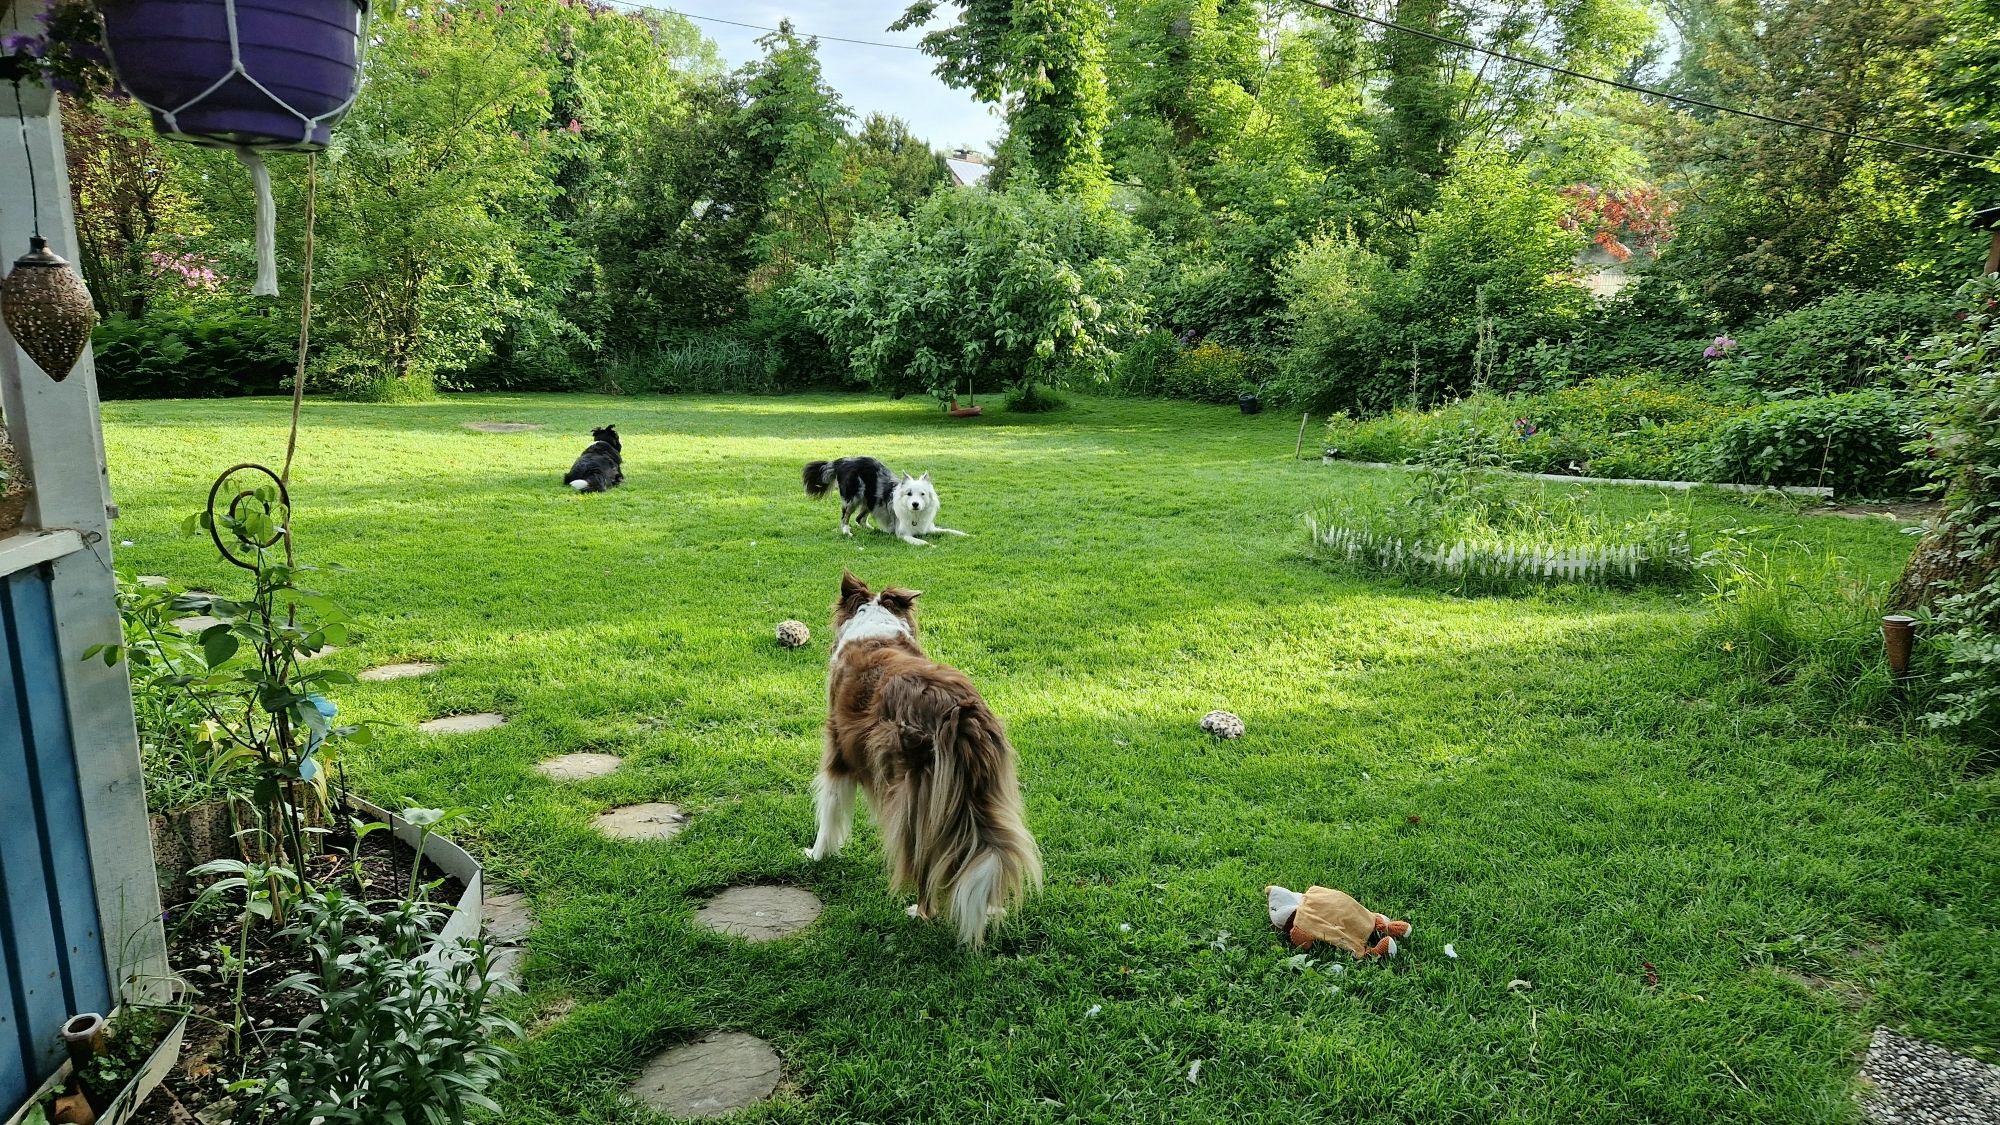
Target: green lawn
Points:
(1566, 786)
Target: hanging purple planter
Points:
(264, 75)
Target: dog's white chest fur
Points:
(870, 623)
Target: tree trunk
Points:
(1934, 570)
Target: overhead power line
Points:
(761, 27)
(1683, 99)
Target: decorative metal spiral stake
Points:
(282, 519)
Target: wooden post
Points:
(1989, 220)
(1301, 443)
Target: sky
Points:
(870, 79)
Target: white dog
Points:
(904, 506)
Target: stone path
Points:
(578, 767)
(714, 1075)
(654, 820)
(196, 624)
(508, 923)
(1911, 1082)
(759, 913)
(463, 724)
(502, 427)
(153, 581)
(388, 672)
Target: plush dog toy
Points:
(1324, 914)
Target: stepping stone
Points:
(152, 581)
(502, 427)
(1909, 1080)
(508, 918)
(196, 624)
(463, 724)
(389, 672)
(716, 1074)
(324, 650)
(578, 767)
(654, 820)
(764, 912)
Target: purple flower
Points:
(1722, 346)
(22, 43)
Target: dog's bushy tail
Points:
(819, 477)
(964, 844)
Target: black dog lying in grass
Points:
(601, 466)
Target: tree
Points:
(132, 222)
(1045, 60)
(1016, 287)
(889, 169)
(796, 125)
(423, 203)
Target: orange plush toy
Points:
(1334, 917)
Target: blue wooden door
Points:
(51, 958)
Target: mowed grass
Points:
(1566, 786)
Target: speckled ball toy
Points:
(794, 634)
(1222, 724)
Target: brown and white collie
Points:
(934, 760)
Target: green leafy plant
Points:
(267, 891)
(403, 1027)
(262, 698)
(1210, 372)
(1838, 343)
(208, 350)
(1011, 287)
(1142, 367)
(1853, 443)
(188, 758)
(1955, 571)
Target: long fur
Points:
(601, 465)
(903, 506)
(934, 760)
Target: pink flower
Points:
(1722, 346)
(575, 126)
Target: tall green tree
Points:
(1044, 59)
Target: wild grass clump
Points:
(1466, 526)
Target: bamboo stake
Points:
(1301, 443)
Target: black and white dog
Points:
(600, 466)
(904, 506)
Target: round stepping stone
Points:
(389, 672)
(463, 724)
(152, 581)
(578, 767)
(764, 912)
(502, 427)
(324, 650)
(719, 1073)
(508, 918)
(196, 624)
(654, 820)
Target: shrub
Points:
(1638, 426)
(212, 350)
(1142, 367)
(1210, 372)
(1491, 276)
(1852, 442)
(1839, 343)
(1012, 287)
(1033, 398)
(712, 364)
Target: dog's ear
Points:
(852, 588)
(926, 476)
(898, 601)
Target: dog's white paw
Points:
(849, 532)
(912, 911)
(813, 854)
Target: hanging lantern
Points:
(252, 76)
(47, 309)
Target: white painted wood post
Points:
(56, 432)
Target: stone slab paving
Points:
(502, 427)
(508, 919)
(1911, 1082)
(196, 624)
(764, 912)
(389, 672)
(654, 820)
(153, 581)
(504, 965)
(578, 767)
(323, 650)
(463, 724)
(716, 1074)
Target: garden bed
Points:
(202, 937)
